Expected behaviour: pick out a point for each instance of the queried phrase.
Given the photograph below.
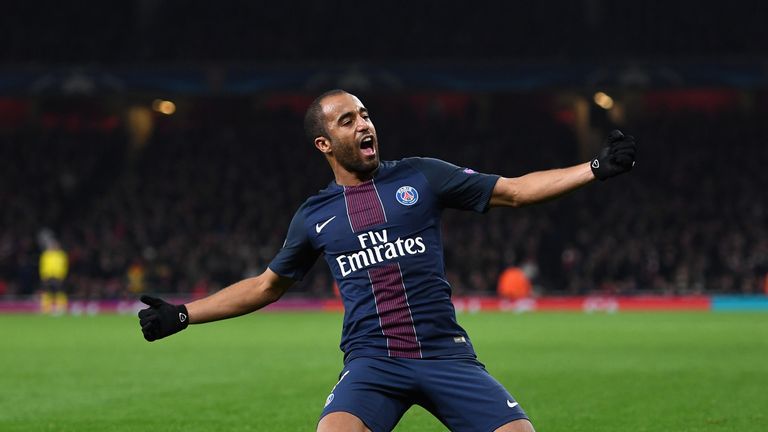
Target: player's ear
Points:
(323, 144)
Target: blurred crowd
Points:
(202, 206)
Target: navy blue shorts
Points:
(458, 391)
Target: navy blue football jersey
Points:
(382, 242)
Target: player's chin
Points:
(372, 160)
(369, 164)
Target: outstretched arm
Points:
(240, 298)
(163, 319)
(616, 157)
(540, 185)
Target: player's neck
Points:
(351, 178)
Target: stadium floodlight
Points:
(164, 106)
(603, 100)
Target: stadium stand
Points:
(207, 201)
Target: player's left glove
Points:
(161, 318)
(616, 157)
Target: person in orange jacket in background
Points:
(514, 284)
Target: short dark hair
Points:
(313, 119)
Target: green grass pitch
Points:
(694, 371)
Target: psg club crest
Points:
(407, 195)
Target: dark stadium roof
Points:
(181, 32)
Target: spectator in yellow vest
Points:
(54, 265)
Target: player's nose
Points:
(361, 124)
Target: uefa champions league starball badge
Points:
(407, 195)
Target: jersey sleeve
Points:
(297, 255)
(456, 187)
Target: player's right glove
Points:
(161, 319)
(616, 157)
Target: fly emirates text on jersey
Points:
(377, 248)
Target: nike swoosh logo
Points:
(319, 227)
(511, 405)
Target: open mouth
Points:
(366, 146)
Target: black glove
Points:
(616, 157)
(161, 319)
